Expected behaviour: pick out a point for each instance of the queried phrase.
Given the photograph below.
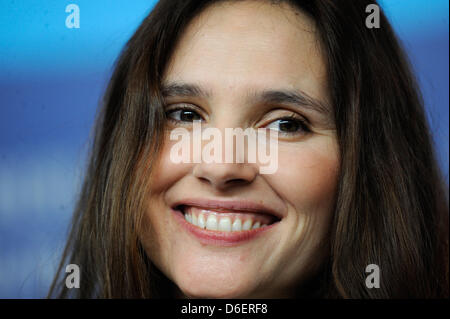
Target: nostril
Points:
(225, 183)
(204, 179)
(237, 181)
(224, 175)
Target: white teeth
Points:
(201, 221)
(211, 222)
(237, 225)
(225, 224)
(194, 220)
(247, 225)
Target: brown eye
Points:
(184, 115)
(288, 126)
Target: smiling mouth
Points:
(225, 220)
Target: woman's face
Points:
(245, 65)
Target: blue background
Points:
(51, 80)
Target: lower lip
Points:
(220, 238)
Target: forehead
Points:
(250, 46)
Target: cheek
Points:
(307, 174)
(166, 172)
(157, 222)
(306, 179)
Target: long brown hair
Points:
(392, 205)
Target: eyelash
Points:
(181, 107)
(303, 125)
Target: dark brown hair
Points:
(392, 206)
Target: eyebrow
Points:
(296, 98)
(175, 89)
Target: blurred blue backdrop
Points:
(51, 80)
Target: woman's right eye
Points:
(183, 115)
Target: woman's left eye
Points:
(288, 126)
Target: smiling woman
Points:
(356, 181)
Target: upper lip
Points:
(237, 205)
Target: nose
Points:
(225, 175)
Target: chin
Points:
(205, 287)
